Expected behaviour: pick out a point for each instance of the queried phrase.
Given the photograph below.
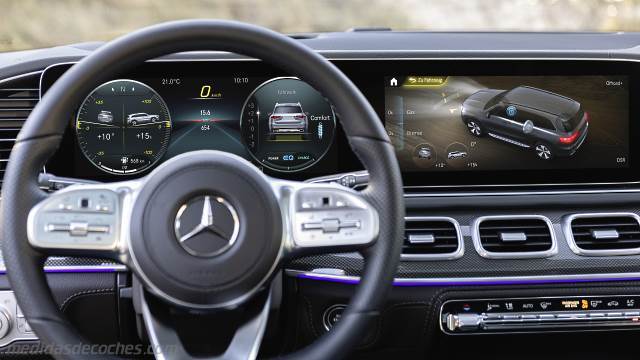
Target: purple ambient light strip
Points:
(75, 269)
(417, 283)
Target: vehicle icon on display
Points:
(552, 125)
(141, 118)
(288, 118)
(424, 153)
(457, 155)
(105, 116)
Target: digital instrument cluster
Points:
(129, 125)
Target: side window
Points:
(507, 111)
(498, 110)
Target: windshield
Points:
(28, 24)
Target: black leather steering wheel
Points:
(139, 214)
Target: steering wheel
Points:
(246, 224)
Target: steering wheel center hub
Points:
(207, 225)
(206, 230)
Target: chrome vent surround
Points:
(432, 238)
(18, 96)
(514, 237)
(603, 234)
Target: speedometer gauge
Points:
(123, 127)
(287, 125)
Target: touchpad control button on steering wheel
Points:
(332, 216)
(67, 219)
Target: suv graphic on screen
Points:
(141, 118)
(552, 125)
(288, 118)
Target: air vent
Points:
(18, 96)
(603, 234)
(514, 237)
(436, 238)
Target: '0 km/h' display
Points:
(123, 127)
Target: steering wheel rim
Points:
(43, 131)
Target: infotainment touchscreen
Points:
(446, 123)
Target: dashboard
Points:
(543, 122)
(467, 114)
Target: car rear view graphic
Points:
(288, 118)
(552, 125)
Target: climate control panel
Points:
(507, 315)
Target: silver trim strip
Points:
(516, 193)
(477, 280)
(568, 233)
(78, 268)
(477, 243)
(458, 253)
(16, 77)
(508, 140)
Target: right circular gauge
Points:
(287, 125)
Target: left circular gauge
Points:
(123, 127)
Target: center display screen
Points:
(471, 123)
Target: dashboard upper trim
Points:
(78, 269)
(519, 193)
(475, 281)
(17, 77)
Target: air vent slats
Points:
(431, 238)
(18, 97)
(514, 237)
(604, 234)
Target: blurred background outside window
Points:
(28, 24)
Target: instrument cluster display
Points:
(123, 127)
(129, 125)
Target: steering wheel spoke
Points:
(325, 218)
(83, 220)
(167, 345)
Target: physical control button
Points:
(347, 180)
(26, 328)
(529, 317)
(5, 322)
(464, 322)
(78, 228)
(331, 225)
(332, 315)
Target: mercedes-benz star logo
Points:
(206, 226)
